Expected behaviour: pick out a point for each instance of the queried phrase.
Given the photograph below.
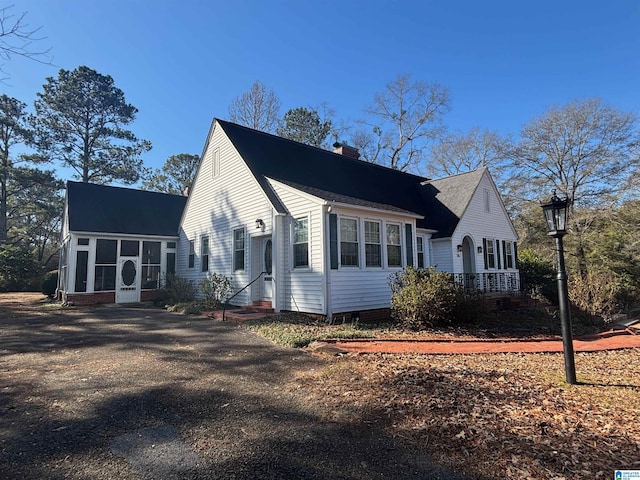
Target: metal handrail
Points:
(224, 306)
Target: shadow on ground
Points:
(74, 381)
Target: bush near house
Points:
(177, 290)
(50, 283)
(215, 288)
(425, 298)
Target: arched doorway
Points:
(468, 263)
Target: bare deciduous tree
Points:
(257, 108)
(406, 117)
(587, 151)
(461, 152)
(17, 38)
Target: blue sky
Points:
(181, 63)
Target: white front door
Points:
(127, 281)
(267, 266)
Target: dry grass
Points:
(496, 416)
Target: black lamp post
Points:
(555, 213)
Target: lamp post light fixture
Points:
(555, 213)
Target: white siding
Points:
(365, 288)
(441, 255)
(302, 288)
(476, 223)
(217, 205)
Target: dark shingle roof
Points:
(313, 169)
(105, 209)
(449, 198)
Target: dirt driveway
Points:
(129, 393)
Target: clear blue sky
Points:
(181, 63)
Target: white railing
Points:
(494, 282)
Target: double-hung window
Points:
(301, 243)
(508, 255)
(372, 244)
(238, 249)
(204, 253)
(192, 253)
(491, 253)
(394, 248)
(349, 242)
(420, 248)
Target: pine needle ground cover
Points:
(495, 416)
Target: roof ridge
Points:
(475, 170)
(343, 157)
(129, 189)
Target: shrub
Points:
(216, 288)
(537, 275)
(177, 290)
(426, 298)
(595, 294)
(50, 283)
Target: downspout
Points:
(327, 263)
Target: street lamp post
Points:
(555, 213)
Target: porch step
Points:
(248, 312)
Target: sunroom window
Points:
(394, 249)
(349, 242)
(372, 246)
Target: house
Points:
(309, 230)
(117, 243)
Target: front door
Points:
(267, 267)
(127, 281)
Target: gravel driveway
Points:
(130, 393)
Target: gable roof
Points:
(106, 209)
(331, 176)
(452, 196)
(269, 156)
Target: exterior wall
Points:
(225, 196)
(302, 288)
(361, 288)
(478, 223)
(441, 255)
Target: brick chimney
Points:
(346, 150)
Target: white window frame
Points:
(191, 258)
(341, 241)
(236, 250)
(420, 251)
(491, 254)
(294, 242)
(509, 257)
(367, 242)
(204, 253)
(398, 245)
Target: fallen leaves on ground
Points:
(496, 416)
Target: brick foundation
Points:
(91, 298)
(106, 297)
(149, 295)
(365, 316)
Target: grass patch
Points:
(298, 330)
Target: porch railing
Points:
(494, 282)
